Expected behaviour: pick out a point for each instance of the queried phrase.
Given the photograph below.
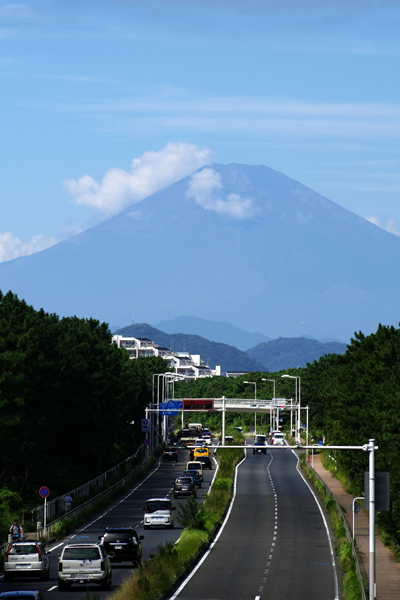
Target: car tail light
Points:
(102, 566)
(39, 553)
(8, 552)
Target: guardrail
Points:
(55, 508)
(348, 532)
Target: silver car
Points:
(26, 559)
(84, 564)
(158, 512)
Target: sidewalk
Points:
(387, 569)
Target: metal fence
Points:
(56, 508)
(348, 532)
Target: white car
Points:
(158, 512)
(279, 440)
(84, 564)
(26, 558)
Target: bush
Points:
(191, 515)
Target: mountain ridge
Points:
(294, 263)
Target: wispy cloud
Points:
(149, 173)
(12, 247)
(207, 190)
(388, 225)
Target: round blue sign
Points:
(44, 492)
(147, 442)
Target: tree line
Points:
(68, 397)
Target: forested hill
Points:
(286, 353)
(212, 353)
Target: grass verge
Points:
(351, 583)
(160, 574)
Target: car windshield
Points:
(153, 505)
(191, 473)
(117, 537)
(24, 549)
(278, 435)
(184, 480)
(81, 554)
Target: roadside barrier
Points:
(55, 508)
(348, 532)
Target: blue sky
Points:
(104, 102)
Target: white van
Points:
(195, 464)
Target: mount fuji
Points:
(237, 243)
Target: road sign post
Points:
(43, 493)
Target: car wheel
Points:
(63, 586)
(7, 576)
(146, 526)
(175, 496)
(171, 526)
(43, 576)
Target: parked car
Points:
(122, 544)
(278, 439)
(197, 465)
(240, 429)
(205, 461)
(158, 512)
(170, 454)
(184, 486)
(260, 448)
(26, 558)
(194, 475)
(84, 564)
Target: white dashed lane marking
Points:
(264, 578)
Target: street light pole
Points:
(255, 398)
(298, 438)
(270, 410)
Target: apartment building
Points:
(189, 366)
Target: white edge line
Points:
(52, 588)
(189, 577)
(326, 527)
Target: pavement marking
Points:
(264, 578)
(326, 527)
(52, 588)
(55, 547)
(189, 577)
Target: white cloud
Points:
(206, 187)
(148, 174)
(12, 247)
(389, 226)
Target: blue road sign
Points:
(171, 405)
(44, 492)
(145, 425)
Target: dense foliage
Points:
(67, 399)
(356, 397)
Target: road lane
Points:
(274, 542)
(126, 512)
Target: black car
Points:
(206, 460)
(261, 448)
(184, 486)
(123, 544)
(170, 454)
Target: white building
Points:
(187, 365)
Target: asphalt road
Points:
(274, 544)
(126, 512)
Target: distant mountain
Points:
(236, 243)
(286, 353)
(216, 331)
(212, 353)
